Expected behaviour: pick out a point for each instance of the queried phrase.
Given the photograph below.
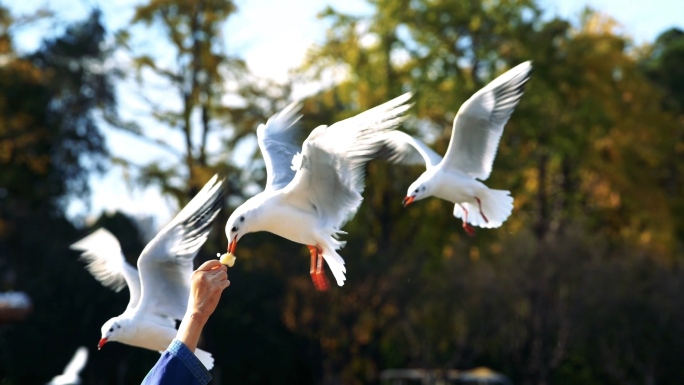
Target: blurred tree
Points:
(49, 143)
(49, 131)
(186, 76)
(662, 64)
(48, 137)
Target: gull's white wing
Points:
(278, 144)
(330, 169)
(71, 372)
(165, 264)
(104, 260)
(77, 363)
(405, 149)
(480, 121)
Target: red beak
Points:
(233, 245)
(101, 343)
(408, 200)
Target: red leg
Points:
(319, 265)
(313, 252)
(481, 213)
(318, 277)
(467, 227)
(320, 271)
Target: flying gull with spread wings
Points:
(313, 190)
(160, 287)
(475, 136)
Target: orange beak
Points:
(233, 245)
(408, 200)
(101, 343)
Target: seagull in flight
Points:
(313, 190)
(160, 287)
(475, 136)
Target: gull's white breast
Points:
(456, 187)
(297, 222)
(148, 334)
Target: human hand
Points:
(208, 282)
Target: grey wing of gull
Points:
(403, 148)
(166, 263)
(104, 260)
(480, 121)
(278, 144)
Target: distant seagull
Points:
(474, 141)
(73, 369)
(160, 292)
(310, 195)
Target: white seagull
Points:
(160, 287)
(70, 376)
(310, 195)
(477, 128)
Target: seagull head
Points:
(239, 224)
(418, 190)
(111, 331)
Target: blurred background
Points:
(115, 113)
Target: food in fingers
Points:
(227, 259)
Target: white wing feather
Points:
(480, 121)
(331, 165)
(278, 143)
(166, 263)
(105, 261)
(70, 376)
(78, 362)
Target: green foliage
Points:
(663, 66)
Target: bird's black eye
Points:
(416, 190)
(242, 219)
(234, 229)
(111, 329)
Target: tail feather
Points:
(496, 206)
(205, 357)
(335, 262)
(336, 268)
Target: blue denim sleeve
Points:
(178, 365)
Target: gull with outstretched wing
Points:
(312, 191)
(475, 136)
(160, 287)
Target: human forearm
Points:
(190, 329)
(208, 281)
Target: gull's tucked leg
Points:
(481, 213)
(314, 253)
(320, 272)
(466, 226)
(318, 277)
